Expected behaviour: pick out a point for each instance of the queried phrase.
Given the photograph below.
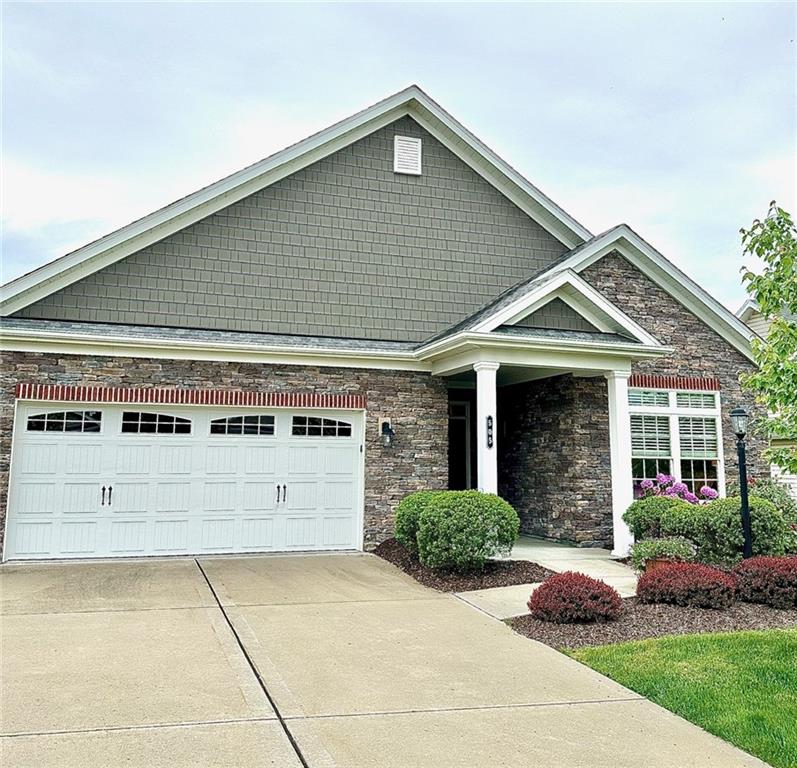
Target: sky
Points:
(675, 118)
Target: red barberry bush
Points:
(571, 598)
(769, 580)
(689, 584)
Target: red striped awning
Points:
(653, 381)
(174, 396)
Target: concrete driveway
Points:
(319, 660)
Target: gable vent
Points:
(407, 155)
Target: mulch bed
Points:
(640, 621)
(496, 573)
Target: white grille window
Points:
(256, 424)
(650, 435)
(649, 397)
(674, 442)
(316, 426)
(142, 423)
(65, 421)
(701, 400)
(698, 437)
(407, 155)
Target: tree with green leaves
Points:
(773, 240)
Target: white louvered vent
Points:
(407, 155)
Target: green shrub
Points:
(720, 538)
(771, 490)
(684, 520)
(675, 548)
(460, 530)
(643, 517)
(408, 514)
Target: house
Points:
(750, 314)
(271, 363)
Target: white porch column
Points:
(486, 426)
(620, 448)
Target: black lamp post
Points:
(739, 422)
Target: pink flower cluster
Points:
(666, 485)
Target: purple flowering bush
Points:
(667, 485)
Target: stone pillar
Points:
(486, 426)
(620, 449)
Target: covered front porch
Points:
(546, 425)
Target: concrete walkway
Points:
(320, 661)
(505, 602)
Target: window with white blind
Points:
(677, 434)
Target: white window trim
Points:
(672, 410)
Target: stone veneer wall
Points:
(699, 351)
(554, 469)
(416, 403)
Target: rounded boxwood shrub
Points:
(570, 598)
(718, 532)
(687, 584)
(769, 580)
(675, 548)
(643, 517)
(408, 514)
(461, 530)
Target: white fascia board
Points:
(86, 344)
(555, 288)
(667, 276)
(747, 310)
(412, 101)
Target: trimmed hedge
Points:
(687, 584)
(461, 530)
(769, 580)
(719, 537)
(675, 548)
(571, 598)
(408, 514)
(643, 517)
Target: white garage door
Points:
(111, 481)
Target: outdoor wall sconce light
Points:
(387, 432)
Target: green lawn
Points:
(740, 686)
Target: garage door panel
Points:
(82, 498)
(300, 532)
(220, 497)
(336, 530)
(221, 459)
(38, 498)
(340, 460)
(218, 534)
(129, 536)
(33, 538)
(171, 536)
(131, 497)
(172, 497)
(302, 495)
(133, 459)
(260, 460)
(79, 538)
(41, 459)
(257, 533)
(213, 489)
(174, 459)
(259, 496)
(303, 460)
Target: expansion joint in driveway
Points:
(255, 670)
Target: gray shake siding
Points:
(345, 247)
(558, 315)
(417, 404)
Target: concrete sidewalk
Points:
(506, 602)
(322, 661)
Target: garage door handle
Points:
(284, 493)
(278, 493)
(103, 496)
(110, 491)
